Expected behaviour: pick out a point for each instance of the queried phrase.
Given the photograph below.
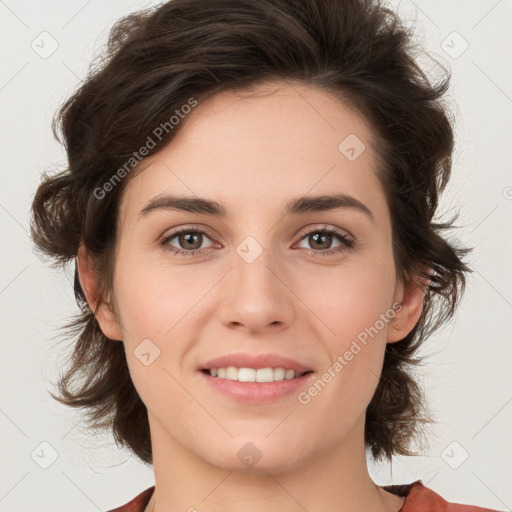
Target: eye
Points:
(190, 241)
(322, 237)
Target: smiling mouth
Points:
(260, 375)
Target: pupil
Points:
(188, 236)
(317, 235)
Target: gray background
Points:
(468, 372)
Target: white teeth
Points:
(253, 375)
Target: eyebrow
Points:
(300, 205)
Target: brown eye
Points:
(189, 241)
(320, 241)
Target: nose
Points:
(256, 296)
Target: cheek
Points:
(348, 300)
(153, 300)
(354, 310)
(158, 311)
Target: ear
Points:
(89, 282)
(410, 295)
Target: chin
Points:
(258, 456)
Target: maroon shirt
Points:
(418, 498)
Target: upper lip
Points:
(256, 361)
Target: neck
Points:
(335, 480)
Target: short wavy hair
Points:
(157, 59)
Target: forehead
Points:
(259, 147)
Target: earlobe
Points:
(410, 296)
(103, 312)
(86, 277)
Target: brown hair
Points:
(159, 58)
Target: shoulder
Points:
(137, 504)
(419, 498)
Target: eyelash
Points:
(347, 243)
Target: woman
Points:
(249, 200)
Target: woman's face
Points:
(259, 280)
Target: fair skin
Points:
(252, 154)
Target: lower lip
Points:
(257, 392)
